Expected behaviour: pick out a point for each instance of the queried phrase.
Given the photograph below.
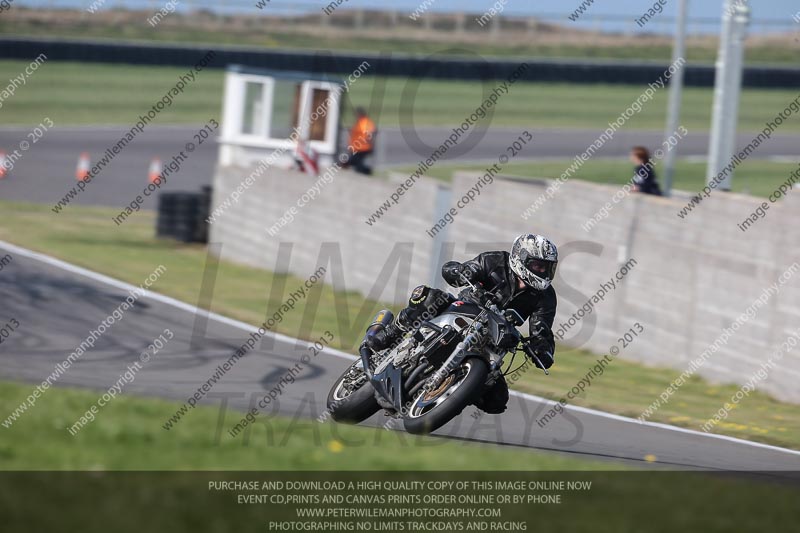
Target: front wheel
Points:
(429, 411)
(352, 398)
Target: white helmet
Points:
(534, 259)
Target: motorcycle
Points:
(441, 366)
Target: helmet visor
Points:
(540, 267)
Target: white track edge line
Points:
(285, 338)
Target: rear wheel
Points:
(352, 398)
(431, 410)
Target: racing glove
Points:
(541, 344)
(453, 270)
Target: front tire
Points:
(430, 411)
(352, 406)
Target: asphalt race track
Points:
(46, 171)
(58, 304)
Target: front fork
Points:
(454, 361)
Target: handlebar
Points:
(526, 347)
(515, 319)
(466, 279)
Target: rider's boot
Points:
(383, 331)
(384, 337)
(494, 399)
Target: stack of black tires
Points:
(182, 215)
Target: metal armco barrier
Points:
(469, 66)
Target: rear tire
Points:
(356, 406)
(425, 415)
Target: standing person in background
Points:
(644, 177)
(361, 145)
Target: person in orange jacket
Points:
(362, 142)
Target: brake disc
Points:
(431, 395)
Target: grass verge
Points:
(90, 93)
(84, 237)
(756, 177)
(124, 436)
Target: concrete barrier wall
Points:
(330, 225)
(691, 279)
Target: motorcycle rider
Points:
(522, 279)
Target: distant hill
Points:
(382, 31)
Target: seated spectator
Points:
(644, 177)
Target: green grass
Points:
(91, 93)
(124, 473)
(627, 388)
(561, 105)
(127, 435)
(76, 93)
(756, 177)
(84, 236)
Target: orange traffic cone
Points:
(84, 162)
(155, 170)
(2, 164)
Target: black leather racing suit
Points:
(538, 307)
